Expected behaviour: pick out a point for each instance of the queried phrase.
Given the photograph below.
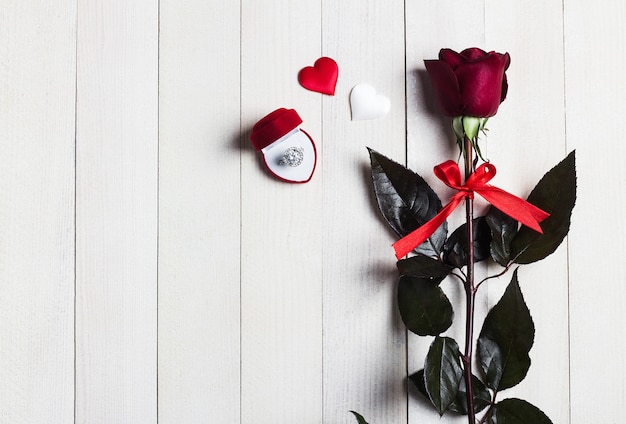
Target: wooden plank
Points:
(526, 139)
(116, 211)
(364, 341)
(595, 93)
(37, 98)
(430, 141)
(281, 224)
(199, 213)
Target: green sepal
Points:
(471, 126)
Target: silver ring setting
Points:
(293, 156)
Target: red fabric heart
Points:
(321, 77)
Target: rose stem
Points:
(469, 288)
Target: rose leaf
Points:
(518, 411)
(406, 201)
(455, 249)
(556, 194)
(503, 230)
(442, 372)
(418, 380)
(482, 397)
(359, 418)
(506, 339)
(424, 267)
(424, 307)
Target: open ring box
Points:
(288, 151)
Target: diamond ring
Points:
(293, 156)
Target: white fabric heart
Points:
(366, 104)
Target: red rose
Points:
(470, 83)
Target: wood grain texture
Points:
(281, 224)
(37, 78)
(116, 212)
(151, 270)
(199, 213)
(595, 93)
(364, 342)
(526, 139)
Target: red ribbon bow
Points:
(450, 174)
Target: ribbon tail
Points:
(409, 242)
(518, 209)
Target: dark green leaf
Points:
(406, 201)
(455, 249)
(442, 372)
(424, 307)
(505, 339)
(518, 411)
(555, 194)
(482, 397)
(503, 230)
(418, 380)
(424, 267)
(359, 418)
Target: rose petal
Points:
(481, 85)
(473, 53)
(446, 86)
(451, 57)
(505, 84)
(505, 89)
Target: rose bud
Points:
(470, 83)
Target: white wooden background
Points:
(151, 271)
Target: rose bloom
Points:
(470, 83)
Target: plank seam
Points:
(75, 193)
(567, 245)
